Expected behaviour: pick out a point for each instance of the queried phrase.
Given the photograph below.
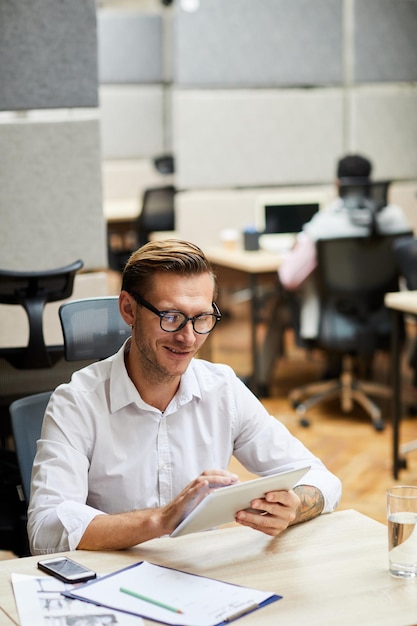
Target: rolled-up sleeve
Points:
(60, 529)
(329, 485)
(58, 514)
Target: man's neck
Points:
(158, 396)
(154, 388)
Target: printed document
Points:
(40, 602)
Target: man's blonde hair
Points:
(169, 255)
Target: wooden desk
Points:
(331, 570)
(399, 302)
(257, 266)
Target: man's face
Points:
(167, 354)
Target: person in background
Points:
(133, 442)
(345, 217)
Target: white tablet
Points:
(221, 505)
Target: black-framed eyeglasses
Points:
(172, 321)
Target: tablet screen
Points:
(221, 505)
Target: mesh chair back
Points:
(359, 188)
(354, 276)
(26, 417)
(362, 265)
(93, 328)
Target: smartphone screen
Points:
(67, 570)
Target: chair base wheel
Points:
(379, 426)
(402, 463)
(304, 422)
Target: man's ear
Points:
(127, 308)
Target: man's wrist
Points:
(311, 503)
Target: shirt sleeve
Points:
(61, 528)
(58, 514)
(75, 518)
(299, 263)
(266, 446)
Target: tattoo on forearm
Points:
(312, 502)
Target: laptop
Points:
(282, 222)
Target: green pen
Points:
(135, 594)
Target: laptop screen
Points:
(288, 218)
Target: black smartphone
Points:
(67, 570)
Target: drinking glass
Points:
(402, 530)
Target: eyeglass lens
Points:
(174, 320)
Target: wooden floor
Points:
(347, 443)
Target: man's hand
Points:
(280, 509)
(174, 512)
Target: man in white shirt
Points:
(133, 442)
(340, 219)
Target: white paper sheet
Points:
(40, 603)
(200, 601)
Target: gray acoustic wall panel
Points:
(248, 138)
(48, 53)
(132, 121)
(263, 43)
(384, 127)
(50, 195)
(129, 47)
(385, 40)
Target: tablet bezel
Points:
(221, 505)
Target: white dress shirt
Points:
(104, 450)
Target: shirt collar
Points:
(123, 392)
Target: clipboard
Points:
(172, 596)
(221, 505)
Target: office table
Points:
(257, 266)
(331, 570)
(400, 302)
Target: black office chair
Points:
(406, 255)
(32, 290)
(157, 213)
(353, 274)
(26, 418)
(93, 328)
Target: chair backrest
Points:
(26, 417)
(158, 213)
(406, 255)
(359, 188)
(354, 274)
(93, 328)
(357, 265)
(32, 290)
